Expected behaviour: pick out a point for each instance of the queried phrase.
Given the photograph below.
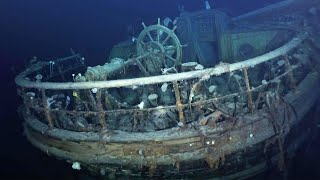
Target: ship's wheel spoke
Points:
(142, 43)
(170, 48)
(166, 39)
(150, 37)
(171, 58)
(158, 35)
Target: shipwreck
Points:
(209, 95)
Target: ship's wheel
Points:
(163, 43)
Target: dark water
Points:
(48, 29)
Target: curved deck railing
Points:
(217, 70)
(199, 76)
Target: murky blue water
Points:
(48, 29)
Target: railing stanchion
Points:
(249, 96)
(291, 80)
(46, 107)
(100, 109)
(25, 101)
(178, 103)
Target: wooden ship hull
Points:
(239, 149)
(206, 133)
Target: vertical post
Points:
(106, 97)
(290, 79)
(61, 73)
(25, 100)
(107, 100)
(249, 96)
(100, 109)
(178, 103)
(46, 108)
(92, 100)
